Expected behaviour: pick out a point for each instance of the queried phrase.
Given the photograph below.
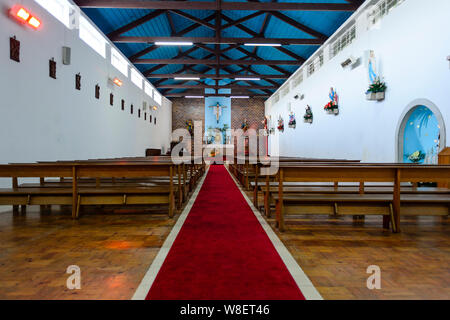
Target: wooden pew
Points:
(388, 203)
(247, 169)
(77, 196)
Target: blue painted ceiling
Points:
(266, 24)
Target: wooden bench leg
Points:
(386, 222)
(281, 217)
(77, 213)
(266, 204)
(23, 210)
(15, 209)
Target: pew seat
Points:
(295, 204)
(106, 195)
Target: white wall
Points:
(46, 119)
(411, 44)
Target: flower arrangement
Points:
(280, 124)
(245, 125)
(308, 115)
(377, 86)
(292, 122)
(190, 127)
(376, 90)
(416, 157)
(331, 106)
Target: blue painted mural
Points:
(217, 116)
(421, 136)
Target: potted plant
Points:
(377, 91)
(416, 157)
(292, 122)
(332, 108)
(308, 115)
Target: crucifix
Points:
(218, 111)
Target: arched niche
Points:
(405, 120)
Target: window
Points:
(119, 62)
(148, 89)
(276, 98)
(157, 97)
(342, 42)
(136, 78)
(311, 68)
(92, 37)
(284, 91)
(60, 9)
(316, 64)
(298, 79)
(382, 9)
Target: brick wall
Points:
(250, 109)
(187, 109)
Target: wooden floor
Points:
(115, 250)
(335, 254)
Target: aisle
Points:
(222, 252)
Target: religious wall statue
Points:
(190, 126)
(332, 107)
(217, 111)
(292, 122)
(280, 124)
(308, 115)
(244, 125)
(377, 87)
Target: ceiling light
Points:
(169, 43)
(239, 97)
(186, 78)
(249, 79)
(263, 44)
(194, 97)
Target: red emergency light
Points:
(24, 16)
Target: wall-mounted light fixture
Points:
(24, 16)
(448, 59)
(117, 82)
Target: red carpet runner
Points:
(222, 252)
